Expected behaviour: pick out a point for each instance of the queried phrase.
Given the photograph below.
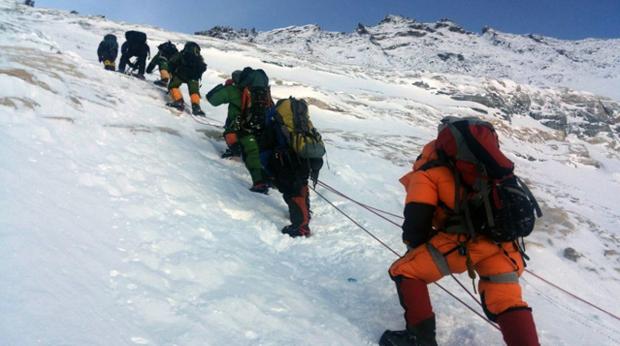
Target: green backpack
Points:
(294, 120)
(255, 98)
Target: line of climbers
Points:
(277, 142)
(465, 209)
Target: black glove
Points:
(314, 176)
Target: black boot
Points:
(196, 110)
(260, 187)
(180, 105)
(161, 82)
(422, 334)
(296, 231)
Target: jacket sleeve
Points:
(153, 63)
(219, 95)
(420, 204)
(100, 51)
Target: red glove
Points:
(230, 138)
(229, 82)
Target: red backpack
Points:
(495, 202)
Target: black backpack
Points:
(496, 202)
(109, 38)
(108, 48)
(167, 49)
(193, 63)
(135, 38)
(255, 98)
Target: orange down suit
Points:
(498, 265)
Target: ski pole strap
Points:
(439, 259)
(505, 278)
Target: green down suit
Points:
(231, 94)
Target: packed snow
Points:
(120, 224)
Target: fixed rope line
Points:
(398, 255)
(376, 211)
(216, 122)
(356, 223)
(572, 295)
(369, 208)
(324, 184)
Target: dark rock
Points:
(421, 84)
(361, 29)
(448, 56)
(536, 38)
(572, 254)
(228, 33)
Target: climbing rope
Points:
(382, 214)
(215, 123)
(398, 255)
(572, 295)
(378, 212)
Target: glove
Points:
(314, 176)
(229, 82)
(230, 138)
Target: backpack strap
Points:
(246, 100)
(530, 196)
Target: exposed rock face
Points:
(402, 43)
(228, 33)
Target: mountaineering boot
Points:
(518, 328)
(196, 110)
(161, 82)
(299, 231)
(421, 334)
(260, 187)
(139, 76)
(180, 105)
(232, 152)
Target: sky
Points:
(566, 19)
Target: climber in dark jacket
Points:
(186, 66)
(135, 46)
(108, 51)
(289, 171)
(165, 52)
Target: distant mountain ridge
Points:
(402, 43)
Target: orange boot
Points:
(177, 99)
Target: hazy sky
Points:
(569, 19)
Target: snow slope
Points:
(120, 225)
